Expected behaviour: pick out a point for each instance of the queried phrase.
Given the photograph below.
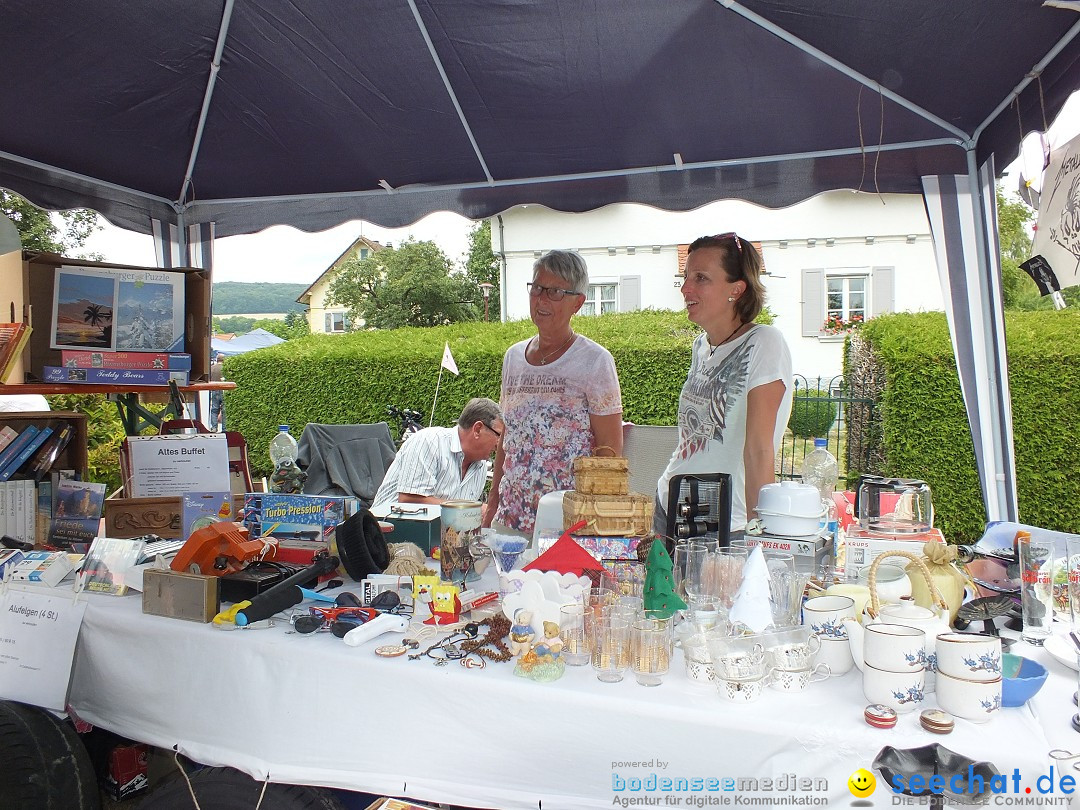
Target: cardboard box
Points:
(128, 771)
(860, 548)
(30, 288)
(134, 517)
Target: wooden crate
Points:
(74, 455)
(134, 517)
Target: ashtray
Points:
(932, 760)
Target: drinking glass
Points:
(1072, 576)
(611, 649)
(779, 560)
(651, 651)
(704, 612)
(786, 595)
(710, 543)
(678, 565)
(1036, 588)
(696, 574)
(575, 640)
(729, 563)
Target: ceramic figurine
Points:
(287, 478)
(550, 645)
(521, 632)
(543, 662)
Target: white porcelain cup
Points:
(894, 647)
(902, 691)
(971, 656)
(824, 615)
(795, 680)
(740, 691)
(835, 654)
(977, 701)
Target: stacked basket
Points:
(601, 497)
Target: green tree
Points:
(38, 231)
(233, 324)
(411, 285)
(482, 265)
(295, 325)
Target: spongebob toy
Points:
(421, 593)
(445, 604)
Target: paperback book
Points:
(76, 512)
(76, 358)
(13, 339)
(113, 376)
(24, 455)
(108, 564)
(11, 452)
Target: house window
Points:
(600, 299)
(845, 297)
(336, 322)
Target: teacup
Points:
(791, 649)
(740, 666)
(894, 647)
(860, 593)
(795, 680)
(835, 654)
(976, 701)
(740, 691)
(824, 615)
(971, 656)
(902, 691)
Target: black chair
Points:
(345, 459)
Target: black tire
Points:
(45, 764)
(227, 789)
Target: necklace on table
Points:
(544, 359)
(498, 629)
(713, 348)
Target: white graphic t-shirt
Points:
(546, 410)
(712, 409)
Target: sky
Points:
(284, 254)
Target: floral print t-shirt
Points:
(546, 410)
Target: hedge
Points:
(924, 428)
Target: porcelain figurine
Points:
(521, 632)
(543, 662)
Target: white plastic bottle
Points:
(283, 447)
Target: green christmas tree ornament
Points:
(660, 594)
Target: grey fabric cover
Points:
(345, 459)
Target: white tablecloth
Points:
(310, 710)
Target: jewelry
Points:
(730, 298)
(498, 629)
(546, 357)
(391, 650)
(713, 348)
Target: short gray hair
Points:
(480, 409)
(567, 265)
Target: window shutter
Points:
(629, 293)
(882, 292)
(813, 302)
(329, 323)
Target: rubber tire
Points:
(228, 789)
(45, 764)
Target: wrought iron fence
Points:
(845, 415)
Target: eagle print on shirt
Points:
(708, 399)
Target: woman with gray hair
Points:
(560, 398)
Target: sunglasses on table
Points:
(553, 293)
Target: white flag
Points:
(448, 360)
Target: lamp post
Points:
(486, 287)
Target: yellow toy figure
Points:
(445, 604)
(421, 594)
(521, 632)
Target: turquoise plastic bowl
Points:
(1021, 679)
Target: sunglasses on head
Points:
(729, 235)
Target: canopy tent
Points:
(225, 117)
(255, 339)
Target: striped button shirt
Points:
(429, 464)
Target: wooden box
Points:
(74, 455)
(134, 517)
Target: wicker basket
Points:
(619, 515)
(602, 475)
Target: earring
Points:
(730, 298)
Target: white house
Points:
(839, 253)
(333, 319)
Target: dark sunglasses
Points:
(497, 433)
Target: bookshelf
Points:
(74, 456)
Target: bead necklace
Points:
(498, 629)
(544, 359)
(712, 348)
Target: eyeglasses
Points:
(731, 235)
(497, 433)
(553, 293)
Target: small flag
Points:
(448, 360)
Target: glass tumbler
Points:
(611, 648)
(1072, 576)
(651, 647)
(1036, 588)
(575, 651)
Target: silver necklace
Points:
(712, 348)
(544, 359)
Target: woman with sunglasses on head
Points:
(736, 400)
(560, 398)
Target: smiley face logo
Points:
(861, 783)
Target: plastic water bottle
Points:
(819, 469)
(283, 447)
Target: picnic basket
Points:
(621, 515)
(602, 475)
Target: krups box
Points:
(859, 548)
(418, 523)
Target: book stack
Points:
(120, 368)
(27, 456)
